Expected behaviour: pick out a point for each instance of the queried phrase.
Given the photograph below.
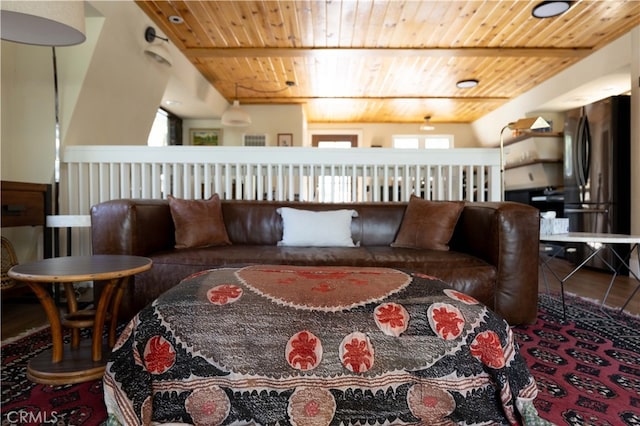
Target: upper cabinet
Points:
(534, 160)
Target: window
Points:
(423, 141)
(406, 142)
(348, 141)
(337, 144)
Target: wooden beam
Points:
(304, 99)
(279, 52)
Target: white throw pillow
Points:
(306, 228)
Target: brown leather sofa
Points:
(493, 255)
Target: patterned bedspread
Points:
(306, 346)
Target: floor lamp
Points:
(533, 123)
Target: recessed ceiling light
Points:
(175, 19)
(549, 9)
(467, 84)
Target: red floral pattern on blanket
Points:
(311, 406)
(487, 348)
(159, 355)
(224, 294)
(208, 406)
(445, 320)
(356, 352)
(461, 297)
(391, 318)
(430, 404)
(304, 351)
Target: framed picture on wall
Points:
(210, 137)
(285, 139)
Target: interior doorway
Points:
(334, 141)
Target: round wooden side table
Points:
(80, 361)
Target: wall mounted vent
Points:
(255, 139)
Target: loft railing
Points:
(92, 174)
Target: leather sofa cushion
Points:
(428, 224)
(198, 223)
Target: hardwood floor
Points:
(25, 313)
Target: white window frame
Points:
(423, 141)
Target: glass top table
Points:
(597, 242)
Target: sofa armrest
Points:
(506, 235)
(129, 226)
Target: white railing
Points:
(93, 174)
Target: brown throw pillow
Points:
(198, 223)
(428, 224)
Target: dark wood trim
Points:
(316, 139)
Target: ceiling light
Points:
(175, 19)
(235, 116)
(549, 9)
(159, 52)
(467, 84)
(43, 23)
(427, 125)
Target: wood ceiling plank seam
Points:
(445, 14)
(228, 20)
(486, 30)
(190, 32)
(319, 27)
(293, 24)
(465, 13)
(304, 22)
(361, 23)
(333, 18)
(278, 73)
(408, 27)
(374, 24)
(194, 30)
(197, 19)
(389, 24)
(514, 25)
(251, 19)
(227, 37)
(347, 21)
(423, 22)
(271, 19)
(597, 38)
(410, 78)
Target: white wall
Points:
(269, 120)
(381, 133)
(28, 113)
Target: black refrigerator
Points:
(597, 169)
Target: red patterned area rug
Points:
(587, 367)
(27, 403)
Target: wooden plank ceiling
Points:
(385, 61)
